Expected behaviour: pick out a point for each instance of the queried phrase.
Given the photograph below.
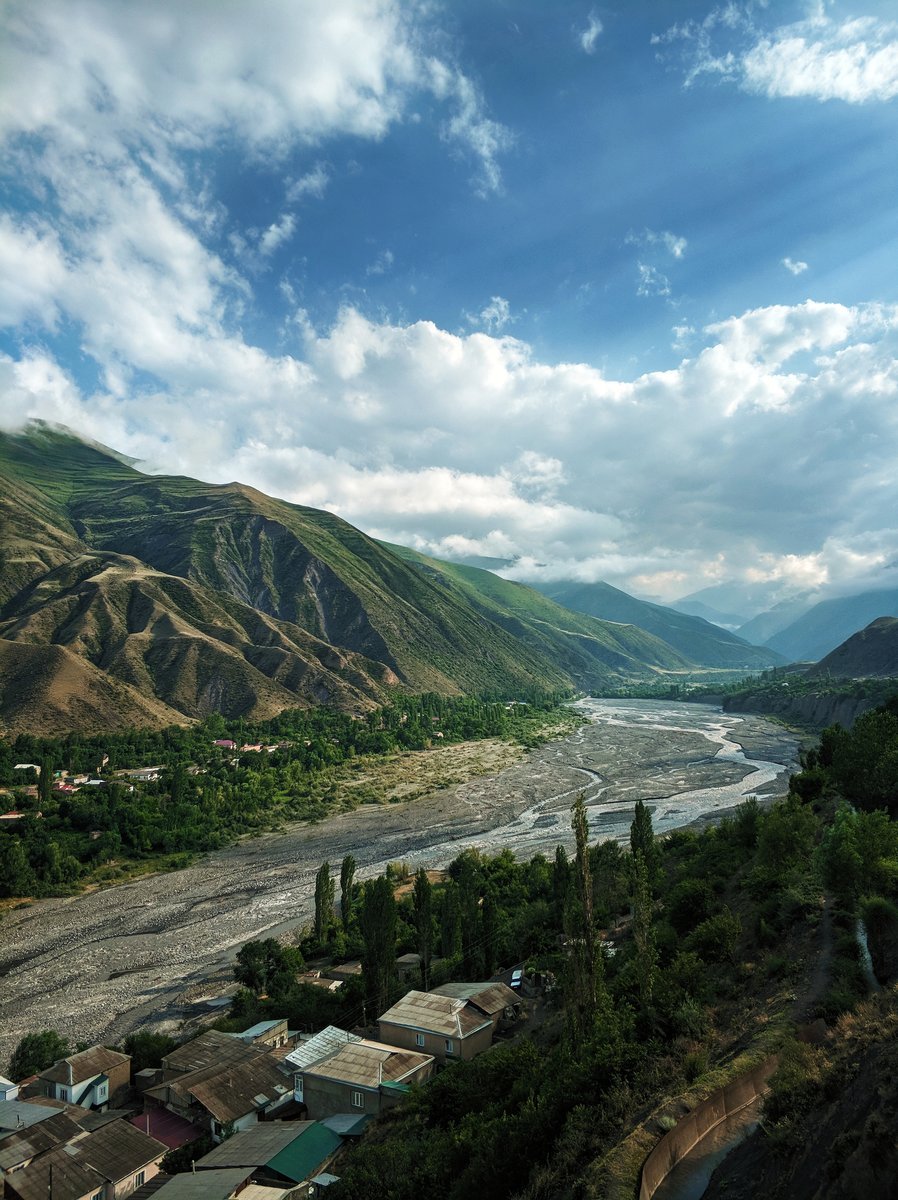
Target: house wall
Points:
(327, 1097)
(125, 1187)
(434, 1043)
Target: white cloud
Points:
(313, 183)
(493, 317)
(589, 36)
(768, 453)
(671, 242)
(854, 60)
(277, 234)
(651, 281)
(382, 264)
(795, 266)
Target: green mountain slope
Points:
(825, 626)
(694, 637)
(580, 642)
(870, 653)
(195, 597)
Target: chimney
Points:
(71, 1073)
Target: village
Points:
(264, 1113)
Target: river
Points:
(96, 966)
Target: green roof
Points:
(306, 1154)
(396, 1087)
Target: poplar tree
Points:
(584, 963)
(449, 918)
(642, 840)
(643, 933)
(347, 875)
(422, 902)
(324, 902)
(377, 924)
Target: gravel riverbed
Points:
(151, 952)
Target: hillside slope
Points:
(200, 597)
(694, 637)
(825, 626)
(871, 653)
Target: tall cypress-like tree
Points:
(347, 875)
(469, 913)
(377, 923)
(642, 840)
(449, 920)
(643, 933)
(584, 963)
(324, 902)
(422, 901)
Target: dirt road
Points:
(95, 967)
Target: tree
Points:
(643, 934)
(449, 918)
(468, 883)
(266, 967)
(561, 881)
(347, 875)
(422, 904)
(45, 782)
(584, 964)
(377, 924)
(642, 840)
(324, 902)
(35, 1052)
(147, 1049)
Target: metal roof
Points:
(347, 1124)
(20, 1146)
(118, 1150)
(231, 1090)
(87, 1065)
(306, 1154)
(55, 1173)
(490, 998)
(313, 1049)
(204, 1185)
(448, 1016)
(210, 1049)
(20, 1114)
(369, 1064)
(253, 1147)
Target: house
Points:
(109, 1163)
(22, 1114)
(90, 1079)
(278, 1155)
(310, 1050)
(8, 1089)
(21, 1146)
(266, 1033)
(344, 971)
(495, 1000)
(361, 1077)
(222, 1184)
(210, 1049)
(408, 966)
(225, 744)
(227, 1095)
(447, 1027)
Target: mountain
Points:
(766, 625)
(578, 641)
(695, 608)
(873, 652)
(825, 626)
(695, 638)
(159, 598)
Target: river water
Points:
(96, 966)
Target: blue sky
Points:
(600, 291)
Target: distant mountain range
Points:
(134, 599)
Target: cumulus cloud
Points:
(733, 462)
(854, 60)
(493, 317)
(276, 234)
(589, 36)
(795, 266)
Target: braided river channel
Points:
(153, 952)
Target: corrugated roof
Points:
(313, 1049)
(490, 998)
(306, 1154)
(204, 1185)
(234, 1091)
(447, 1016)
(208, 1050)
(95, 1061)
(20, 1146)
(16, 1114)
(253, 1147)
(369, 1064)
(118, 1150)
(70, 1179)
(166, 1127)
(347, 1124)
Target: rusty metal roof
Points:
(86, 1065)
(448, 1016)
(490, 998)
(369, 1064)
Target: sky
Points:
(581, 291)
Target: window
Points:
(97, 1196)
(140, 1179)
(64, 1094)
(358, 1100)
(419, 1039)
(297, 1088)
(450, 1046)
